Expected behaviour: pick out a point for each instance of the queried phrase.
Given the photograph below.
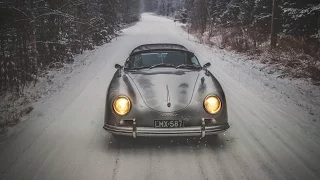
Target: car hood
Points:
(165, 90)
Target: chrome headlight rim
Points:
(219, 107)
(114, 102)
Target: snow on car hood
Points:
(165, 89)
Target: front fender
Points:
(144, 116)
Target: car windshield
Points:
(162, 59)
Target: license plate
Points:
(168, 123)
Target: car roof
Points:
(160, 46)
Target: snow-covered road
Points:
(270, 137)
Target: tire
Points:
(116, 136)
(120, 138)
(212, 137)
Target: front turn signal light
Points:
(122, 105)
(212, 104)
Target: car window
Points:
(194, 60)
(175, 58)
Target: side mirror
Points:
(118, 66)
(206, 65)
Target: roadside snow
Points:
(49, 84)
(287, 94)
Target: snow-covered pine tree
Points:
(36, 35)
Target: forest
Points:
(39, 34)
(247, 26)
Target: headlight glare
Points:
(122, 105)
(212, 104)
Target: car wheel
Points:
(120, 138)
(116, 136)
(212, 137)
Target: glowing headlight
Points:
(212, 104)
(121, 105)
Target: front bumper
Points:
(134, 131)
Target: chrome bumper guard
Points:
(135, 131)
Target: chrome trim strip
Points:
(167, 132)
(203, 128)
(134, 128)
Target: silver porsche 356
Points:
(162, 90)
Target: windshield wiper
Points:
(188, 66)
(162, 65)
